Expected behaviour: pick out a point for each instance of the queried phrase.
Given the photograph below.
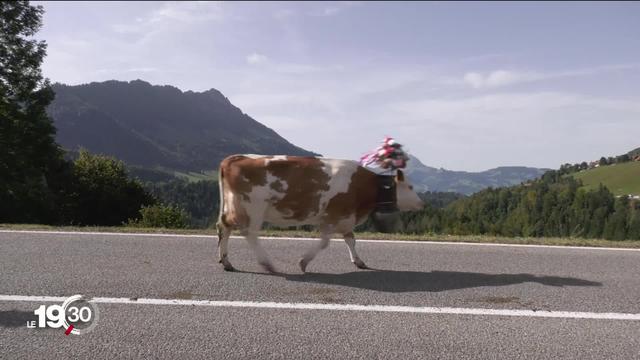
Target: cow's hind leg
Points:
(261, 254)
(223, 241)
(311, 254)
(351, 243)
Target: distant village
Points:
(597, 163)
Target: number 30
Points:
(81, 314)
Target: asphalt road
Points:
(412, 275)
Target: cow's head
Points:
(407, 199)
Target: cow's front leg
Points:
(263, 258)
(351, 243)
(311, 254)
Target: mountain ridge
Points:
(426, 178)
(162, 128)
(159, 126)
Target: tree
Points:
(634, 226)
(623, 158)
(28, 150)
(103, 192)
(616, 225)
(603, 161)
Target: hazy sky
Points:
(465, 86)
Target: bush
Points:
(103, 193)
(161, 216)
(199, 199)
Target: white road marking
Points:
(46, 232)
(340, 307)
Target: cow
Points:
(333, 195)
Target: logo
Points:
(76, 315)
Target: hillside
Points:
(633, 153)
(159, 127)
(621, 179)
(425, 178)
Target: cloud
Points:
(171, 14)
(301, 69)
(516, 129)
(142, 69)
(187, 12)
(146, 40)
(336, 8)
(287, 68)
(484, 58)
(271, 105)
(518, 105)
(288, 123)
(255, 59)
(130, 70)
(458, 114)
(330, 11)
(500, 78)
(497, 78)
(283, 14)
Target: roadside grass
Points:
(635, 244)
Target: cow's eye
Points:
(410, 187)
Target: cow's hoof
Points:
(360, 264)
(268, 267)
(229, 267)
(303, 265)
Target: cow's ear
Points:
(400, 176)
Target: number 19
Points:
(54, 313)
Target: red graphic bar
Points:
(69, 329)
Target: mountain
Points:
(425, 178)
(162, 132)
(154, 126)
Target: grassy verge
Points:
(365, 235)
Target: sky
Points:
(462, 85)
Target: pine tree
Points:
(27, 147)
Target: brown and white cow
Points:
(334, 195)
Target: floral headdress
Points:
(389, 155)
